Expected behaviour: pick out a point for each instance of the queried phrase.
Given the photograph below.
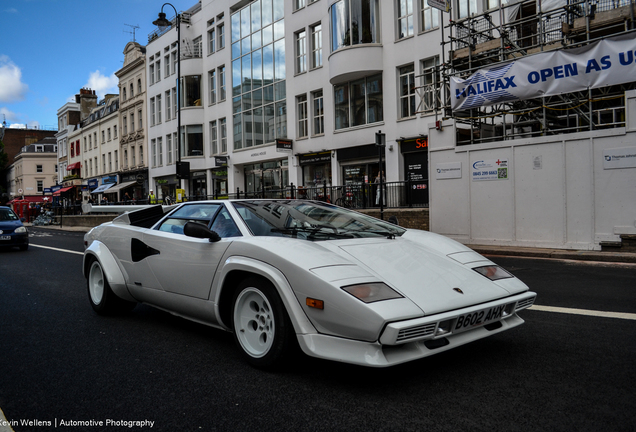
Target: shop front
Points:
(267, 179)
(135, 184)
(316, 174)
(415, 154)
(166, 187)
(198, 185)
(360, 169)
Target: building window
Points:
(132, 155)
(301, 114)
(212, 84)
(176, 149)
(103, 137)
(258, 74)
(404, 18)
(131, 91)
(222, 83)
(124, 123)
(175, 107)
(431, 96)
(153, 149)
(152, 112)
(158, 70)
(299, 4)
(318, 113)
(38, 168)
(141, 120)
(104, 164)
(221, 36)
(124, 94)
(192, 140)
(116, 161)
(166, 61)
(174, 62)
(115, 131)
(141, 155)
(132, 122)
(139, 86)
(110, 162)
(407, 91)
(301, 51)
(191, 96)
(40, 186)
(316, 46)
(465, 8)
(169, 149)
(160, 151)
(223, 125)
(214, 143)
(168, 107)
(211, 41)
(358, 102)
(125, 159)
(151, 74)
(158, 108)
(430, 16)
(354, 22)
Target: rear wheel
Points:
(103, 300)
(262, 329)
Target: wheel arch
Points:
(239, 268)
(98, 251)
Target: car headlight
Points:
(372, 292)
(493, 272)
(20, 230)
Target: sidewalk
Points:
(511, 251)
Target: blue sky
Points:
(51, 48)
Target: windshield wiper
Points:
(313, 231)
(388, 234)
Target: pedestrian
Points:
(152, 198)
(126, 198)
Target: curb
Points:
(616, 257)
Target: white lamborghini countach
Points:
(283, 274)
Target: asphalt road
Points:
(62, 364)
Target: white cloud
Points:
(8, 115)
(12, 89)
(102, 84)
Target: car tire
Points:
(103, 300)
(262, 329)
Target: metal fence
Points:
(401, 194)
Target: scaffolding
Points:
(523, 28)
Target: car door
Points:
(184, 265)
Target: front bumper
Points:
(389, 351)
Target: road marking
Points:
(57, 249)
(620, 315)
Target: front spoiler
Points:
(374, 354)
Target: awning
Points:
(63, 190)
(73, 166)
(121, 186)
(102, 188)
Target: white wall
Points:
(559, 194)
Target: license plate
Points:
(476, 319)
(5, 237)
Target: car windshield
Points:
(7, 215)
(311, 220)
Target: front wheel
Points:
(103, 300)
(262, 329)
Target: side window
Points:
(224, 225)
(202, 213)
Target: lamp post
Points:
(163, 24)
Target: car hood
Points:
(425, 276)
(10, 225)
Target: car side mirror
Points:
(197, 230)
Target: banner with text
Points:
(607, 62)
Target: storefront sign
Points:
(442, 5)
(93, 183)
(624, 157)
(490, 170)
(448, 170)
(283, 145)
(140, 179)
(109, 179)
(606, 62)
(412, 145)
(312, 158)
(220, 161)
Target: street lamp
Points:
(163, 25)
